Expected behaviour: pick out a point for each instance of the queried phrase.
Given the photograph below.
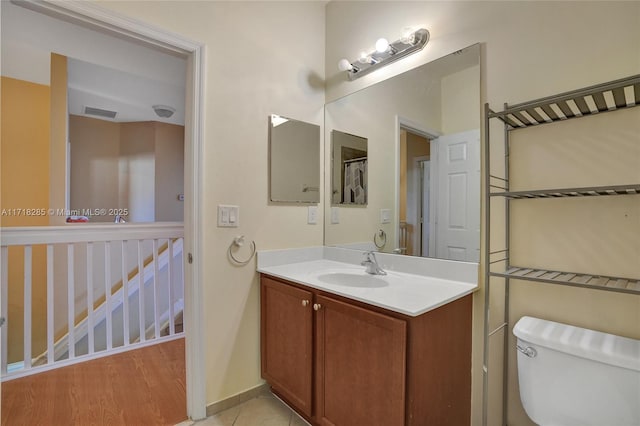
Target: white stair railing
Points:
(109, 288)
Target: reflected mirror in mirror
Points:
(423, 161)
(294, 161)
(349, 169)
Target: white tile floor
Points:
(264, 410)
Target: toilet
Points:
(571, 376)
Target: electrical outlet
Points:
(312, 215)
(335, 215)
(385, 216)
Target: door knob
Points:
(317, 306)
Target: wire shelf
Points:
(615, 95)
(593, 191)
(601, 282)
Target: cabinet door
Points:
(287, 341)
(360, 366)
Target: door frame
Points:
(418, 129)
(419, 187)
(113, 23)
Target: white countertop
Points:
(412, 293)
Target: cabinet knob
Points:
(317, 306)
(305, 303)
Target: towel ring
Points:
(383, 238)
(239, 242)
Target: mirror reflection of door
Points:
(439, 190)
(456, 232)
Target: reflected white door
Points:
(457, 222)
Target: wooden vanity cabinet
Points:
(360, 365)
(340, 362)
(287, 342)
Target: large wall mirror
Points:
(422, 129)
(294, 160)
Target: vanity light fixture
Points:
(385, 53)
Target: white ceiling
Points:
(131, 96)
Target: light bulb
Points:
(382, 45)
(344, 65)
(408, 36)
(364, 58)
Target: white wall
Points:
(262, 58)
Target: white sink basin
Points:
(353, 279)
(407, 293)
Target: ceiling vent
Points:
(99, 112)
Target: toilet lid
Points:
(595, 345)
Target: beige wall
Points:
(262, 58)
(530, 49)
(521, 60)
(461, 101)
(25, 185)
(58, 184)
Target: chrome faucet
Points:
(372, 264)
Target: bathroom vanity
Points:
(343, 347)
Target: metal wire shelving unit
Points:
(602, 98)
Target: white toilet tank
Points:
(571, 376)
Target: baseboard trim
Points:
(236, 399)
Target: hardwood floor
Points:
(141, 387)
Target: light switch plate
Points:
(228, 216)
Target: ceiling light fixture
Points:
(385, 53)
(163, 111)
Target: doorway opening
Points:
(111, 24)
(417, 164)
